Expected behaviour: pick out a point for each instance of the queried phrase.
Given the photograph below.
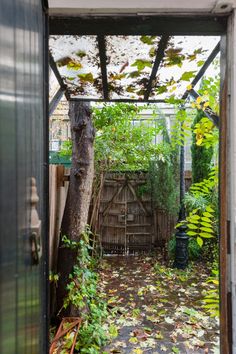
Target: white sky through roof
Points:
(129, 65)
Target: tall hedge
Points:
(201, 156)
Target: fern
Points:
(211, 300)
(202, 219)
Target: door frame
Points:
(227, 143)
(44, 281)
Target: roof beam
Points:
(137, 25)
(103, 62)
(116, 100)
(58, 76)
(208, 111)
(55, 100)
(159, 57)
(203, 69)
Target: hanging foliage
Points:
(201, 155)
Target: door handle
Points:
(35, 248)
(35, 226)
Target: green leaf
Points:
(192, 226)
(86, 77)
(199, 241)
(191, 233)
(200, 62)
(161, 89)
(148, 39)
(207, 229)
(113, 330)
(194, 216)
(152, 52)
(205, 235)
(187, 75)
(206, 224)
(134, 74)
(207, 214)
(209, 209)
(74, 65)
(141, 64)
(81, 54)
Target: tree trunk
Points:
(79, 192)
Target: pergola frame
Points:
(73, 26)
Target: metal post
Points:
(181, 251)
(182, 181)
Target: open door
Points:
(23, 146)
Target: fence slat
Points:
(58, 189)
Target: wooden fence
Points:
(153, 228)
(58, 188)
(164, 224)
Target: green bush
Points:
(163, 175)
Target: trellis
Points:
(105, 26)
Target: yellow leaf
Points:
(199, 142)
(206, 104)
(189, 87)
(193, 105)
(199, 99)
(138, 351)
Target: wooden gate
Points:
(125, 217)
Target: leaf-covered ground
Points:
(157, 309)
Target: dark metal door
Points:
(23, 163)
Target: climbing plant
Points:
(84, 296)
(201, 155)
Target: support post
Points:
(181, 251)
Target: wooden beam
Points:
(159, 57)
(103, 62)
(76, 7)
(137, 25)
(203, 69)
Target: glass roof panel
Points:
(129, 65)
(77, 60)
(130, 60)
(184, 57)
